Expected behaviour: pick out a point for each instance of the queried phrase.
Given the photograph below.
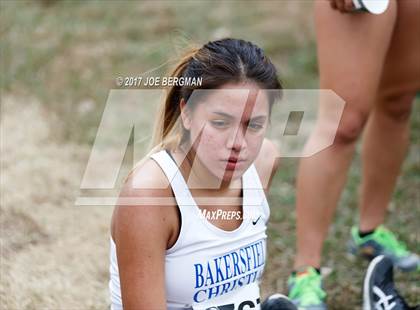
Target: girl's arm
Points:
(142, 233)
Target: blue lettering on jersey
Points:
(230, 271)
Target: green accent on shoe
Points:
(306, 288)
(383, 237)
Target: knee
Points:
(396, 108)
(350, 127)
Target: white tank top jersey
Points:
(208, 267)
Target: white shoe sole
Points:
(366, 282)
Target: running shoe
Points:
(379, 292)
(278, 302)
(383, 242)
(305, 290)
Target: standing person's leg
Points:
(387, 132)
(351, 53)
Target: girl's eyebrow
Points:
(226, 115)
(259, 117)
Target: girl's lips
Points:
(232, 164)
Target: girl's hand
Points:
(344, 6)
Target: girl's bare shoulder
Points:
(146, 175)
(144, 204)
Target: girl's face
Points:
(227, 127)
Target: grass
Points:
(58, 63)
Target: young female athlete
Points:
(210, 158)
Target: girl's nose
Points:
(236, 140)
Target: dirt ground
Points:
(54, 254)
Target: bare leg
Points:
(351, 52)
(387, 133)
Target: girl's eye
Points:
(219, 123)
(255, 126)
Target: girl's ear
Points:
(185, 114)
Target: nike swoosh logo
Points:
(255, 222)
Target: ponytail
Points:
(167, 131)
